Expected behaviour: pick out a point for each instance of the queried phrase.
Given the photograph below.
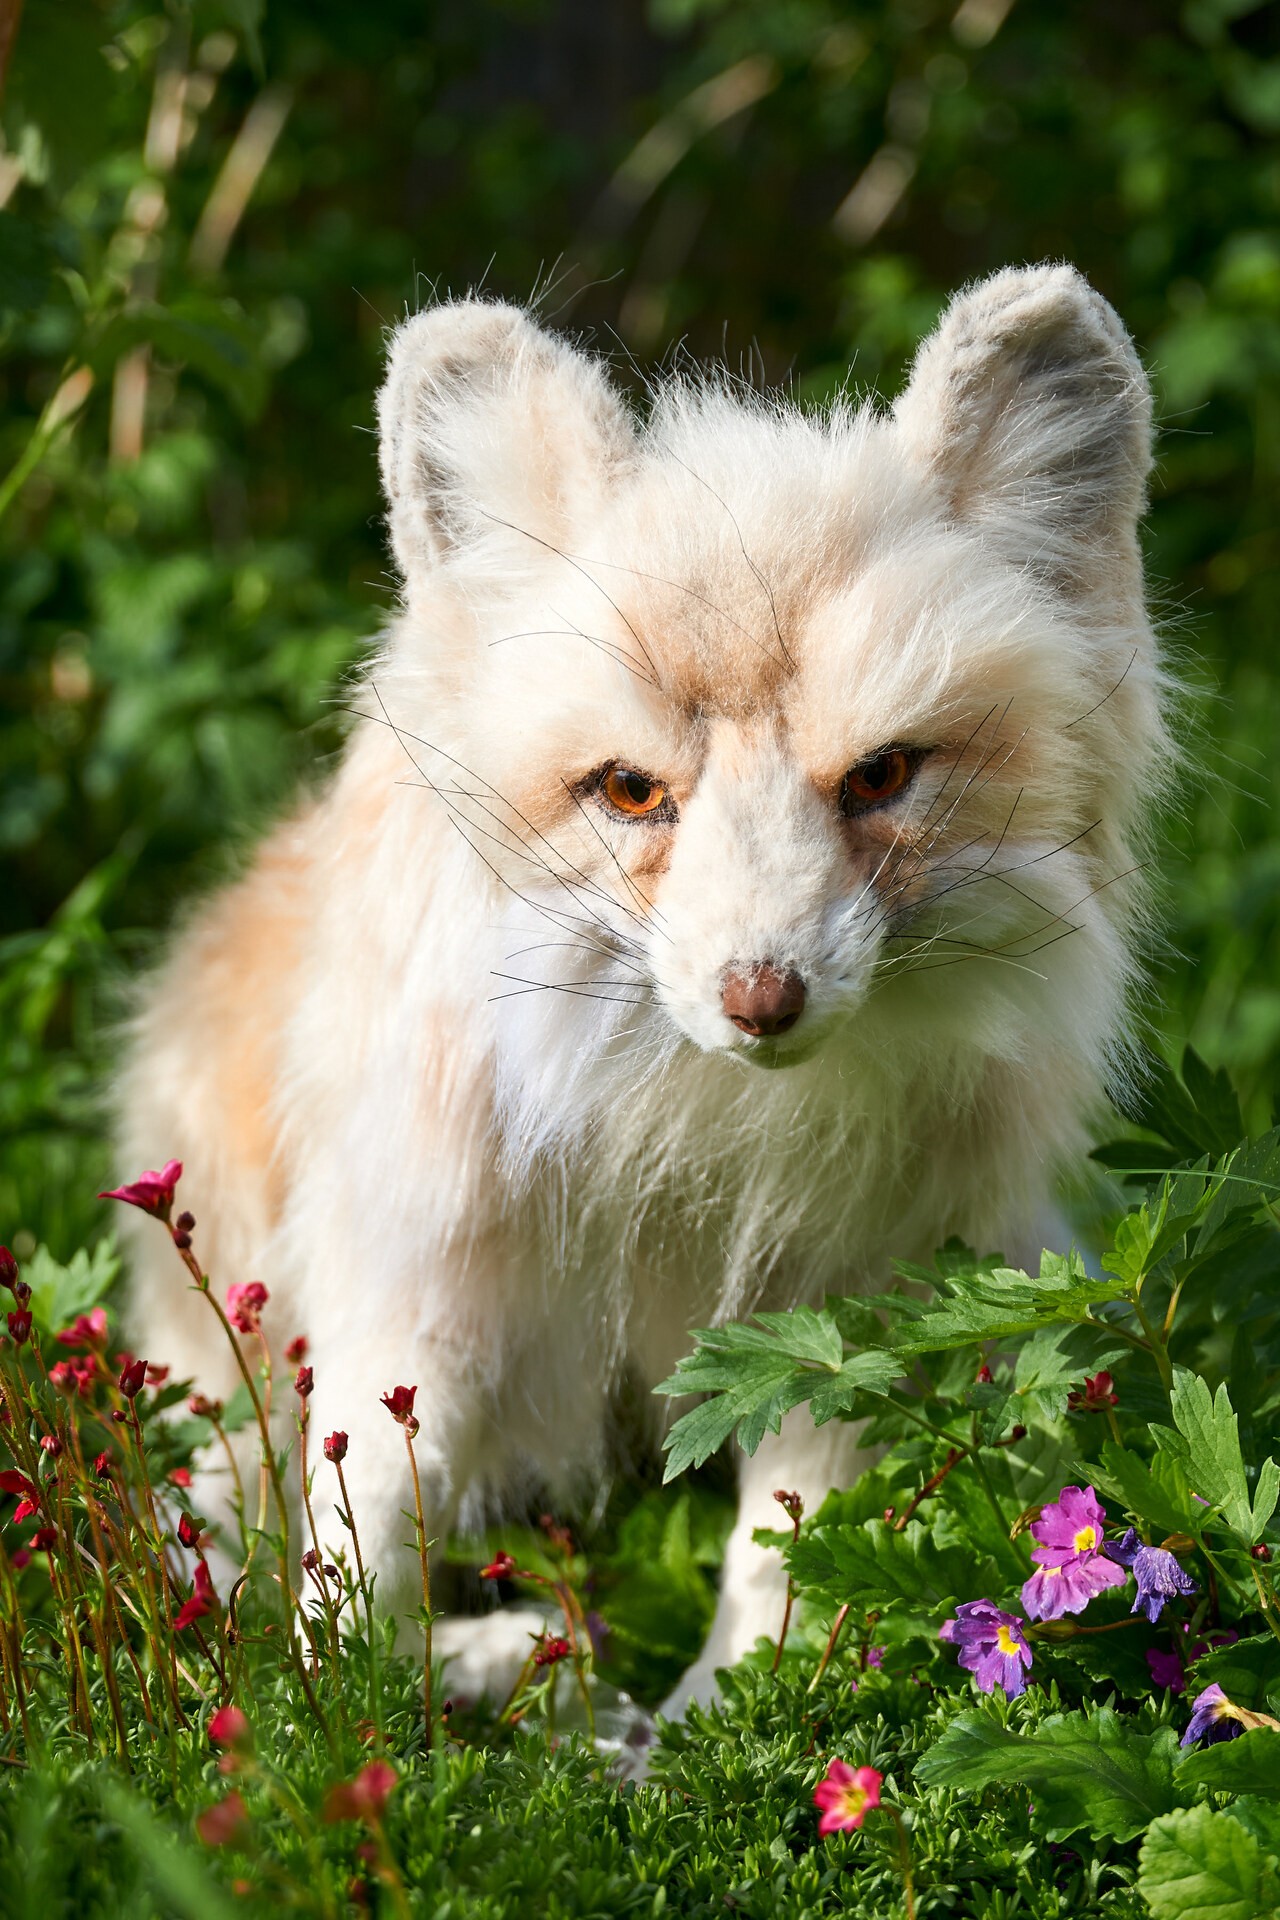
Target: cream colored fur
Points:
(448, 1068)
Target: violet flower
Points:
(991, 1643)
(1067, 1586)
(1073, 1524)
(1213, 1718)
(1158, 1574)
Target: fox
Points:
(733, 880)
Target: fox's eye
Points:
(630, 792)
(877, 778)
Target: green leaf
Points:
(1089, 1773)
(1248, 1672)
(981, 1305)
(879, 1566)
(1207, 1445)
(1248, 1764)
(1157, 1492)
(755, 1374)
(59, 1293)
(1202, 1865)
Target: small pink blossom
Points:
(363, 1798)
(202, 1599)
(228, 1727)
(245, 1301)
(153, 1192)
(87, 1330)
(224, 1822)
(845, 1796)
(399, 1404)
(335, 1447)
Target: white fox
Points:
(732, 886)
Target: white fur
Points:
(449, 1068)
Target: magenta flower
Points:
(1073, 1524)
(1067, 1586)
(501, 1567)
(222, 1824)
(363, 1798)
(1098, 1394)
(153, 1192)
(29, 1502)
(245, 1301)
(992, 1645)
(88, 1330)
(228, 1727)
(552, 1651)
(132, 1377)
(1166, 1670)
(1158, 1574)
(845, 1795)
(1213, 1718)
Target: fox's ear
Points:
(493, 437)
(1029, 406)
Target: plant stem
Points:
(830, 1647)
(904, 1858)
(366, 1596)
(426, 1583)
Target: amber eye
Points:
(632, 793)
(877, 778)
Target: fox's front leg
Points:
(802, 1459)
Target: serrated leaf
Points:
(1089, 1773)
(989, 1305)
(1248, 1764)
(1156, 1491)
(1265, 1495)
(1207, 1445)
(881, 1566)
(1202, 1865)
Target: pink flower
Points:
(133, 1375)
(102, 1465)
(228, 1727)
(1166, 1670)
(202, 1599)
(1072, 1524)
(296, 1351)
(245, 1301)
(153, 1192)
(363, 1798)
(501, 1567)
(399, 1404)
(188, 1531)
(181, 1476)
(224, 1822)
(88, 1330)
(1097, 1395)
(1067, 1585)
(335, 1447)
(74, 1376)
(845, 1796)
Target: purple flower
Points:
(992, 1645)
(1067, 1586)
(1166, 1670)
(1072, 1525)
(1213, 1718)
(1157, 1573)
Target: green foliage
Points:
(1201, 1865)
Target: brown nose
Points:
(763, 1001)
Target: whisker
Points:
(578, 568)
(761, 582)
(1106, 696)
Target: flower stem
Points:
(426, 1586)
(904, 1860)
(829, 1649)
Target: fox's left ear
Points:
(1029, 406)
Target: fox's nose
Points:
(763, 1000)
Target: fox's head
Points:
(765, 719)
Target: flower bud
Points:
(132, 1378)
(303, 1382)
(335, 1447)
(20, 1326)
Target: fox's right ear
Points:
(495, 438)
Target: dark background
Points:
(213, 211)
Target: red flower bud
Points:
(296, 1351)
(182, 1240)
(982, 1378)
(302, 1382)
(8, 1268)
(399, 1404)
(223, 1823)
(22, 1293)
(156, 1376)
(153, 1192)
(335, 1447)
(102, 1465)
(203, 1408)
(132, 1378)
(20, 1326)
(1261, 1552)
(501, 1567)
(228, 1727)
(181, 1476)
(43, 1538)
(1096, 1396)
(363, 1798)
(188, 1531)
(52, 1445)
(551, 1651)
(185, 1221)
(201, 1600)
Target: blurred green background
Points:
(212, 209)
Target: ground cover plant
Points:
(1029, 1664)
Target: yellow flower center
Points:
(852, 1801)
(1005, 1640)
(1086, 1539)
